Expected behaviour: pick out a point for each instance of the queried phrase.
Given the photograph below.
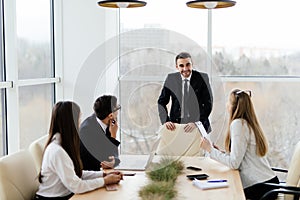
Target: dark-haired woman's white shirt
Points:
(253, 168)
(59, 177)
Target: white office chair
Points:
(292, 187)
(36, 148)
(18, 176)
(178, 142)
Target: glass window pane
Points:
(250, 44)
(237, 49)
(35, 109)
(139, 116)
(182, 19)
(34, 36)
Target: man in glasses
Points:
(98, 145)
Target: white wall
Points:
(83, 29)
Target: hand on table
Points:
(112, 178)
(114, 173)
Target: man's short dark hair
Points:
(182, 55)
(105, 105)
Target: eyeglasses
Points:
(118, 107)
(244, 91)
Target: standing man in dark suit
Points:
(190, 93)
(98, 143)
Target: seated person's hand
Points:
(113, 128)
(189, 127)
(116, 173)
(170, 126)
(206, 145)
(108, 164)
(216, 147)
(112, 179)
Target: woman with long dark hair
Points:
(61, 173)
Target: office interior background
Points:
(55, 50)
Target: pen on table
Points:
(216, 181)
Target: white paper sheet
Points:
(201, 129)
(204, 185)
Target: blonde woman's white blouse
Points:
(253, 168)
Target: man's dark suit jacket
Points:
(200, 99)
(96, 145)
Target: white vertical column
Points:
(58, 50)
(10, 28)
(209, 42)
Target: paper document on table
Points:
(205, 185)
(201, 129)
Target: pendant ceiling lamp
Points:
(122, 4)
(210, 4)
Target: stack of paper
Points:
(204, 185)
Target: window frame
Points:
(10, 82)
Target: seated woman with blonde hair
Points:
(61, 173)
(246, 146)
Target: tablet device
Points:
(197, 176)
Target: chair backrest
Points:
(18, 176)
(178, 142)
(293, 176)
(36, 148)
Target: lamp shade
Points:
(207, 4)
(122, 4)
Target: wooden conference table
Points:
(129, 187)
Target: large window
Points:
(34, 38)
(250, 51)
(27, 72)
(34, 61)
(35, 101)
